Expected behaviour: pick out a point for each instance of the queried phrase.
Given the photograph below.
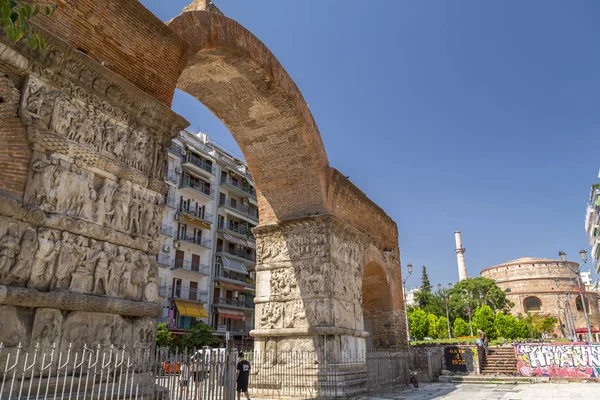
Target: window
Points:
(579, 304)
(221, 221)
(532, 304)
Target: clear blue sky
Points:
(473, 115)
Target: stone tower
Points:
(460, 256)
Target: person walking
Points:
(484, 340)
(243, 375)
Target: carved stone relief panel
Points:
(344, 314)
(270, 315)
(319, 312)
(47, 329)
(293, 242)
(346, 281)
(294, 314)
(82, 327)
(58, 185)
(49, 259)
(67, 114)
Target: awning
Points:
(189, 309)
(235, 240)
(197, 221)
(234, 265)
(584, 330)
(231, 286)
(231, 314)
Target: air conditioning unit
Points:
(166, 248)
(177, 217)
(177, 245)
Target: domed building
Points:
(539, 285)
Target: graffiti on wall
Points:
(562, 359)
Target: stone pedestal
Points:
(308, 290)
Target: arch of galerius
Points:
(85, 126)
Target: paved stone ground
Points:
(541, 391)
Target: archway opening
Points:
(377, 306)
(532, 304)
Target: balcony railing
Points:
(242, 254)
(242, 208)
(170, 201)
(163, 260)
(233, 302)
(191, 266)
(232, 276)
(198, 187)
(200, 214)
(200, 163)
(244, 188)
(175, 149)
(171, 176)
(166, 230)
(239, 230)
(190, 238)
(183, 293)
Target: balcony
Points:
(244, 190)
(197, 164)
(172, 177)
(175, 149)
(234, 303)
(199, 215)
(183, 293)
(242, 209)
(170, 201)
(192, 239)
(240, 255)
(235, 278)
(166, 230)
(197, 187)
(191, 266)
(240, 231)
(163, 260)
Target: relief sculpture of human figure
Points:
(20, 272)
(44, 262)
(101, 259)
(116, 267)
(66, 263)
(9, 249)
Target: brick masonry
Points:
(536, 277)
(14, 149)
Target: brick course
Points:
(14, 149)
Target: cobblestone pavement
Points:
(541, 391)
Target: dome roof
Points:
(526, 260)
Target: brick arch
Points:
(235, 75)
(376, 291)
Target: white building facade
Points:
(208, 253)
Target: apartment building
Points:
(592, 224)
(208, 253)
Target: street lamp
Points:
(409, 267)
(469, 309)
(583, 254)
(446, 300)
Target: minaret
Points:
(460, 257)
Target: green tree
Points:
(522, 330)
(506, 325)
(442, 328)
(164, 338)
(15, 18)
(541, 323)
(461, 328)
(198, 336)
(432, 326)
(418, 322)
(474, 292)
(423, 295)
(483, 318)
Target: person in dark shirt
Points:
(243, 373)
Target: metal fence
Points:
(105, 372)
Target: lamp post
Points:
(409, 267)
(583, 254)
(446, 300)
(469, 309)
